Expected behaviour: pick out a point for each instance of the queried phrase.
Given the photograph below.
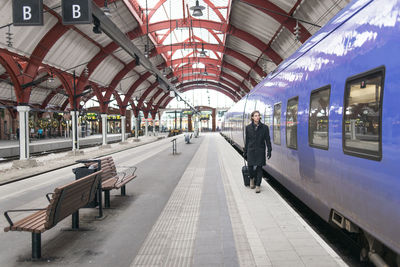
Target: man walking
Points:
(257, 139)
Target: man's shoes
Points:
(258, 189)
(252, 186)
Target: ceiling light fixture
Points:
(96, 27)
(202, 52)
(297, 31)
(9, 37)
(146, 50)
(106, 9)
(86, 71)
(51, 78)
(197, 9)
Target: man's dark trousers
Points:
(257, 173)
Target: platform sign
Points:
(114, 117)
(27, 12)
(76, 11)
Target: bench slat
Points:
(32, 222)
(22, 221)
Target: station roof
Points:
(230, 48)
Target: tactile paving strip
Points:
(171, 240)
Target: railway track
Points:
(54, 151)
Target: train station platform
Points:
(51, 161)
(188, 209)
(10, 148)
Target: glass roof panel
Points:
(181, 53)
(172, 10)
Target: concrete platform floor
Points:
(58, 160)
(189, 209)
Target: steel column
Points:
(104, 128)
(23, 132)
(123, 128)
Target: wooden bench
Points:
(66, 200)
(111, 179)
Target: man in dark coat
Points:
(257, 139)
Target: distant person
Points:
(257, 139)
(17, 132)
(40, 132)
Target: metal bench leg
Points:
(36, 245)
(123, 191)
(75, 220)
(107, 198)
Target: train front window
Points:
(277, 123)
(291, 122)
(318, 134)
(362, 115)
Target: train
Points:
(333, 112)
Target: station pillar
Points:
(214, 119)
(23, 132)
(189, 122)
(24, 160)
(146, 129)
(123, 128)
(104, 128)
(75, 145)
(136, 128)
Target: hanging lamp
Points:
(106, 9)
(197, 9)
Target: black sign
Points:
(27, 12)
(76, 11)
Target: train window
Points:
(318, 134)
(268, 116)
(291, 122)
(277, 123)
(362, 116)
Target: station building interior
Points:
(89, 79)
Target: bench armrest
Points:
(130, 171)
(47, 196)
(8, 217)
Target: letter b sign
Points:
(27, 12)
(76, 11)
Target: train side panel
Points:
(366, 191)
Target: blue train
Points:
(333, 110)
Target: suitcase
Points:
(246, 175)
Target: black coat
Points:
(255, 143)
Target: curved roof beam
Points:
(211, 87)
(206, 83)
(146, 93)
(215, 9)
(228, 52)
(195, 78)
(223, 27)
(275, 12)
(221, 84)
(217, 73)
(154, 97)
(208, 77)
(13, 71)
(212, 64)
(160, 101)
(169, 99)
